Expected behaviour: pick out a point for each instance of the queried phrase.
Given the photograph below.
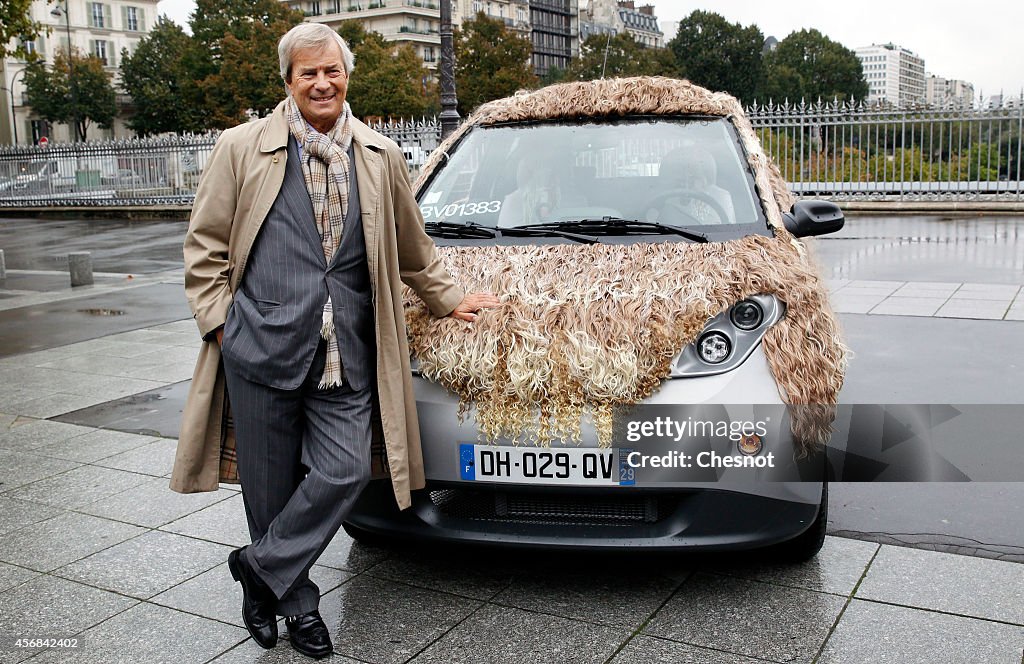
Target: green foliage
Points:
(808, 65)
(233, 59)
(387, 81)
(625, 57)
(491, 62)
(156, 78)
(719, 55)
(52, 98)
(16, 23)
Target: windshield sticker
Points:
(460, 209)
(432, 197)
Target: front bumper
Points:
(696, 520)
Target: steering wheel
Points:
(657, 202)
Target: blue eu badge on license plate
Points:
(467, 462)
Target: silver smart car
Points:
(706, 462)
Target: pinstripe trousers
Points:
(303, 459)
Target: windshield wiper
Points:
(448, 229)
(534, 231)
(606, 224)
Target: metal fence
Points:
(836, 150)
(148, 171)
(827, 150)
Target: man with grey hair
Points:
(303, 230)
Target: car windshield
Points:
(687, 173)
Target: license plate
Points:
(572, 466)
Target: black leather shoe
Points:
(309, 635)
(258, 601)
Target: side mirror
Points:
(813, 218)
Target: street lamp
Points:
(449, 102)
(56, 13)
(14, 116)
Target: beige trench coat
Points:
(239, 185)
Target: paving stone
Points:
(250, 653)
(154, 635)
(941, 289)
(968, 586)
(18, 469)
(909, 306)
(96, 444)
(748, 618)
(186, 325)
(214, 594)
(146, 565)
(12, 575)
(854, 304)
(647, 650)
(223, 522)
(501, 635)
(460, 575)
(381, 621)
(345, 553)
(976, 309)
(152, 504)
(50, 607)
(884, 634)
(50, 544)
(109, 387)
(15, 514)
(590, 592)
(156, 458)
(873, 283)
(36, 434)
(836, 569)
(55, 404)
(6, 419)
(78, 487)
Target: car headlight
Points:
(729, 338)
(714, 347)
(747, 315)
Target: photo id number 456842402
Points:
(525, 465)
(40, 642)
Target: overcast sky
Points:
(978, 41)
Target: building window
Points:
(428, 54)
(477, 7)
(315, 8)
(131, 19)
(335, 7)
(99, 49)
(98, 15)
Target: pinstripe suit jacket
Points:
(272, 328)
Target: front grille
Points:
(552, 508)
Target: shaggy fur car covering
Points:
(585, 329)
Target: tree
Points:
(625, 57)
(387, 81)
(16, 23)
(808, 65)
(719, 55)
(155, 77)
(490, 62)
(50, 94)
(233, 60)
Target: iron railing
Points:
(824, 150)
(838, 150)
(148, 171)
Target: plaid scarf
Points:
(326, 168)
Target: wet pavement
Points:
(92, 543)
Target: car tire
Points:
(364, 536)
(806, 545)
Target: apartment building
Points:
(947, 92)
(102, 29)
(894, 75)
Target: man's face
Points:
(318, 84)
